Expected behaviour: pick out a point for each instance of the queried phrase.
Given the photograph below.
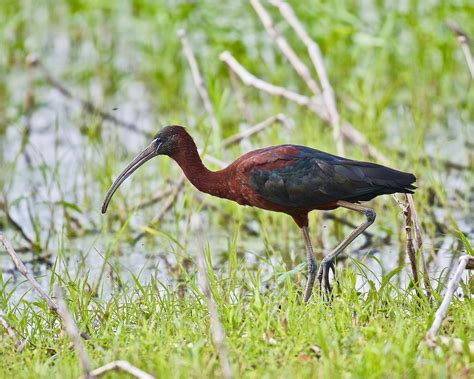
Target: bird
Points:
(290, 179)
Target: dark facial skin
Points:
(164, 143)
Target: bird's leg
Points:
(328, 262)
(312, 265)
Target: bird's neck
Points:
(205, 180)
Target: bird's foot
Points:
(323, 276)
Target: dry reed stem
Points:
(120, 366)
(19, 345)
(217, 329)
(464, 42)
(34, 61)
(198, 80)
(464, 261)
(457, 344)
(251, 80)
(23, 270)
(285, 48)
(236, 138)
(71, 329)
(166, 206)
(419, 244)
(242, 103)
(316, 57)
(281, 118)
(52, 305)
(73, 332)
(158, 196)
(216, 161)
(347, 129)
(16, 226)
(412, 226)
(406, 210)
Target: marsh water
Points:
(49, 178)
(52, 161)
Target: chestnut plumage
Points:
(288, 178)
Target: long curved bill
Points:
(150, 152)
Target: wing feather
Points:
(298, 176)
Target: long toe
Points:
(309, 285)
(327, 284)
(320, 278)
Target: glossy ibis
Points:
(288, 178)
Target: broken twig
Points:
(120, 366)
(312, 104)
(409, 233)
(19, 345)
(464, 261)
(170, 200)
(281, 118)
(23, 270)
(17, 226)
(73, 332)
(198, 80)
(251, 80)
(318, 63)
(217, 329)
(285, 47)
(464, 42)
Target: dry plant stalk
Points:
(301, 69)
(19, 345)
(419, 244)
(166, 206)
(20, 266)
(34, 61)
(456, 344)
(120, 366)
(464, 261)
(347, 129)
(314, 52)
(464, 42)
(409, 232)
(328, 113)
(236, 138)
(251, 80)
(212, 159)
(217, 329)
(412, 227)
(316, 58)
(155, 198)
(4, 207)
(73, 332)
(71, 328)
(23, 270)
(257, 128)
(198, 80)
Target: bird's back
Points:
(299, 177)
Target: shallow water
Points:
(48, 173)
(55, 171)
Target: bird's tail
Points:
(381, 180)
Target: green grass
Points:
(270, 333)
(399, 77)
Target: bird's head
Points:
(165, 142)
